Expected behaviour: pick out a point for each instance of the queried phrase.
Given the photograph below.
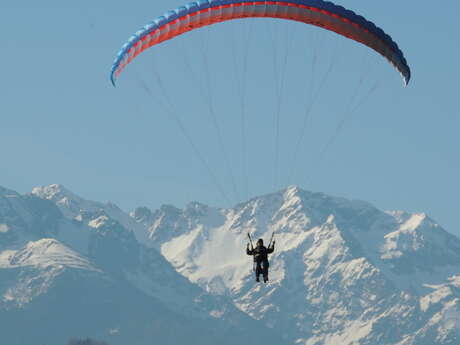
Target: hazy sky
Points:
(367, 137)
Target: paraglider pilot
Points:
(260, 253)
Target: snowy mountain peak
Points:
(44, 253)
(292, 197)
(82, 210)
(68, 202)
(53, 192)
(292, 192)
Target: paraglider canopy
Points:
(314, 12)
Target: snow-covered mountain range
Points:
(343, 272)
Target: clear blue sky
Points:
(63, 122)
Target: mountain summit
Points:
(343, 272)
